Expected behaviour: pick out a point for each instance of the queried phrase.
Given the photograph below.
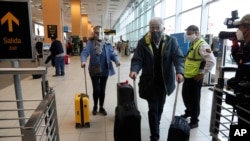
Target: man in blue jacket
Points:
(161, 61)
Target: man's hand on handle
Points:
(179, 78)
(133, 75)
(83, 65)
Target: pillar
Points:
(90, 29)
(76, 17)
(52, 15)
(85, 26)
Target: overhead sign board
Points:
(109, 32)
(15, 30)
(52, 31)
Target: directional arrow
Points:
(9, 17)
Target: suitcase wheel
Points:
(87, 125)
(78, 125)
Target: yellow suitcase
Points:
(82, 114)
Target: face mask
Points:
(156, 36)
(239, 35)
(191, 38)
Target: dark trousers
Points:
(191, 93)
(99, 87)
(234, 84)
(243, 114)
(156, 103)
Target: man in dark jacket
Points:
(161, 61)
(57, 53)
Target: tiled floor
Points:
(101, 126)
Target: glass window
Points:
(191, 17)
(216, 21)
(169, 26)
(149, 16)
(157, 10)
(39, 30)
(187, 4)
(170, 8)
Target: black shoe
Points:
(94, 112)
(193, 125)
(103, 111)
(62, 74)
(55, 75)
(185, 116)
(154, 139)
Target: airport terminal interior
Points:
(101, 127)
(49, 101)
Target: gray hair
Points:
(156, 20)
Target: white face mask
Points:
(239, 35)
(191, 38)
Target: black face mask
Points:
(156, 36)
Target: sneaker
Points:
(193, 125)
(103, 111)
(55, 75)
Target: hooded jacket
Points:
(172, 60)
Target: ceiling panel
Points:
(100, 12)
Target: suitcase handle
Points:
(135, 95)
(175, 101)
(85, 79)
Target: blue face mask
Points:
(156, 35)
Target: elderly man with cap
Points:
(242, 34)
(161, 61)
(199, 61)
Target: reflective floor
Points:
(101, 127)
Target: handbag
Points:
(96, 69)
(146, 84)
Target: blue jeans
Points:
(156, 103)
(59, 65)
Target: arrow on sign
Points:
(9, 17)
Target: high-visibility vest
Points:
(193, 60)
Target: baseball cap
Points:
(244, 20)
(192, 28)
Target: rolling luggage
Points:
(66, 59)
(125, 92)
(179, 129)
(82, 112)
(127, 125)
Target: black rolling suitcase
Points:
(125, 92)
(179, 129)
(127, 125)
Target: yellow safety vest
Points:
(193, 60)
